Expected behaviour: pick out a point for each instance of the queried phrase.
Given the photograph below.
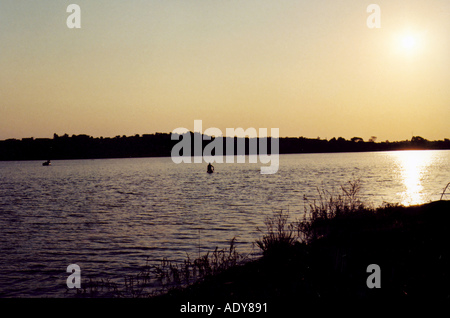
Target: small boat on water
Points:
(47, 163)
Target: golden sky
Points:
(309, 68)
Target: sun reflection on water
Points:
(411, 169)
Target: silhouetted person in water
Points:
(210, 168)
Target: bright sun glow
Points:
(409, 42)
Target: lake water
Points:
(109, 216)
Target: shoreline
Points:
(161, 145)
(411, 246)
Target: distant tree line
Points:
(161, 144)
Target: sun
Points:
(409, 42)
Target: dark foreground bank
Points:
(409, 246)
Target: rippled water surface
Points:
(109, 216)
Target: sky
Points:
(308, 68)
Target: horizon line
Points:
(360, 139)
